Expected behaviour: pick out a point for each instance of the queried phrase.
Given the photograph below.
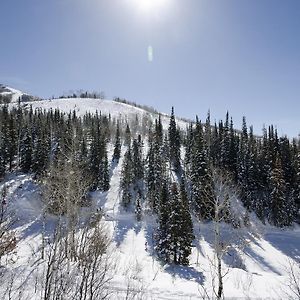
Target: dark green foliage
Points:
(200, 176)
(104, 173)
(26, 152)
(117, 149)
(127, 179)
(137, 160)
(174, 143)
(175, 232)
(127, 138)
(155, 173)
(280, 208)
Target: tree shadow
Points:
(233, 260)
(286, 241)
(240, 241)
(126, 221)
(260, 260)
(113, 165)
(186, 272)
(150, 230)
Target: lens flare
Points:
(150, 53)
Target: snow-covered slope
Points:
(258, 271)
(107, 107)
(13, 93)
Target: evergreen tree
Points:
(200, 177)
(155, 174)
(126, 179)
(26, 152)
(41, 152)
(127, 141)
(175, 226)
(174, 143)
(104, 178)
(297, 187)
(186, 231)
(117, 149)
(162, 241)
(278, 206)
(137, 160)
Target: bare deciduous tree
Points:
(291, 287)
(224, 193)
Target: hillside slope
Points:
(257, 270)
(107, 107)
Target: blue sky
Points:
(236, 55)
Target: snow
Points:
(260, 274)
(16, 94)
(107, 107)
(258, 271)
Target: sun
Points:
(150, 6)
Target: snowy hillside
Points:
(11, 93)
(260, 271)
(257, 258)
(107, 107)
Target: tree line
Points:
(168, 173)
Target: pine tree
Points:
(137, 160)
(127, 140)
(200, 177)
(175, 226)
(297, 187)
(41, 152)
(174, 143)
(162, 243)
(225, 145)
(279, 215)
(243, 164)
(233, 150)
(186, 231)
(126, 179)
(12, 141)
(26, 152)
(117, 149)
(155, 174)
(159, 130)
(104, 178)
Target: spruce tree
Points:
(127, 139)
(104, 178)
(126, 179)
(26, 152)
(200, 177)
(162, 241)
(278, 206)
(174, 143)
(117, 148)
(175, 226)
(187, 235)
(155, 174)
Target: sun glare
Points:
(148, 6)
